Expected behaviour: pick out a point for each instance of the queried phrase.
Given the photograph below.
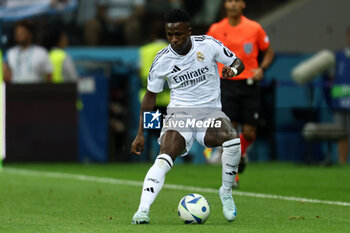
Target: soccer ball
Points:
(193, 208)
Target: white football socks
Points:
(230, 161)
(154, 180)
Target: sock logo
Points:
(231, 173)
(149, 189)
(229, 165)
(153, 180)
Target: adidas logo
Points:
(176, 69)
(149, 190)
(231, 173)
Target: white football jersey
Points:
(192, 78)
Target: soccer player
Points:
(189, 65)
(241, 94)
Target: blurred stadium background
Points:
(42, 120)
(44, 125)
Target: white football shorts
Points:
(191, 124)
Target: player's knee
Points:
(226, 136)
(172, 144)
(227, 132)
(217, 136)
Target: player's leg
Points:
(227, 137)
(231, 106)
(235, 126)
(247, 137)
(172, 145)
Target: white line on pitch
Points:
(107, 180)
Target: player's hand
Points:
(227, 72)
(258, 74)
(137, 145)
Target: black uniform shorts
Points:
(241, 101)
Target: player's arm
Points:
(268, 55)
(226, 57)
(234, 69)
(148, 103)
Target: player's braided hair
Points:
(177, 15)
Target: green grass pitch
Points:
(38, 203)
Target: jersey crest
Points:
(200, 56)
(248, 48)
